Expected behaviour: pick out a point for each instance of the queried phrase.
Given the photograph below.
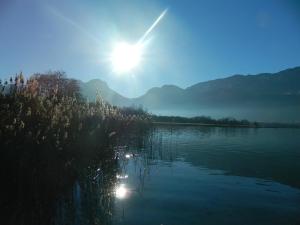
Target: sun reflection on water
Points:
(121, 191)
(122, 176)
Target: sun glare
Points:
(125, 57)
(121, 191)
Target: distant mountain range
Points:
(262, 97)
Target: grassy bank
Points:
(48, 134)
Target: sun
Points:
(126, 57)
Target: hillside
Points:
(262, 97)
(90, 89)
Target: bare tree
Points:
(57, 83)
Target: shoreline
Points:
(225, 125)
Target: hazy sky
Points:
(195, 41)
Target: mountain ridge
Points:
(262, 96)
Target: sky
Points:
(195, 41)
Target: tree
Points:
(57, 83)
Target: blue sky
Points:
(196, 40)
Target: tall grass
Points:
(48, 133)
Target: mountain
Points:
(90, 89)
(263, 97)
(167, 96)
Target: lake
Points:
(194, 175)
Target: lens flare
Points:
(127, 56)
(153, 26)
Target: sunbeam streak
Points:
(153, 26)
(125, 56)
(69, 21)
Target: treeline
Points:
(204, 120)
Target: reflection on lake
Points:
(192, 175)
(182, 175)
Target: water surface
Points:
(193, 175)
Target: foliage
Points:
(48, 110)
(48, 132)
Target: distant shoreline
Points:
(260, 125)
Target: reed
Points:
(48, 133)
